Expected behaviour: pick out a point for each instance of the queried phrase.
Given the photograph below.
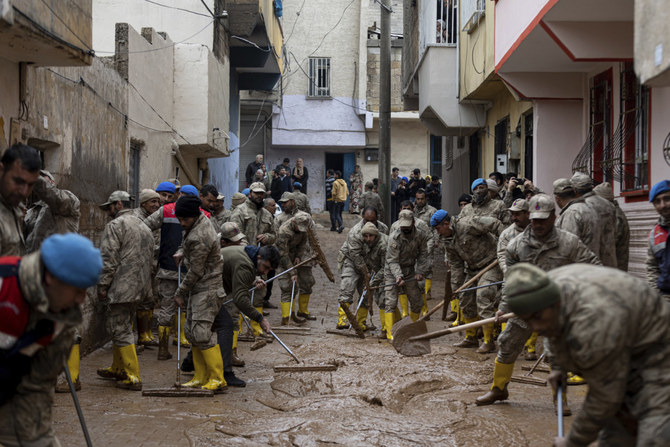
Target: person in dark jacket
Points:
(402, 193)
(300, 175)
(434, 192)
(252, 168)
(415, 183)
(276, 187)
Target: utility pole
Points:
(384, 173)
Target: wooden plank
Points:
(352, 321)
(305, 368)
(344, 333)
(178, 392)
(529, 380)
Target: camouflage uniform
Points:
(581, 220)
(371, 198)
(222, 217)
(127, 248)
(607, 222)
(12, 242)
(424, 214)
(406, 255)
(622, 239)
(301, 201)
(559, 249)
(56, 212)
(149, 301)
(354, 257)
(201, 286)
(26, 417)
(492, 208)
(283, 217)
(291, 245)
(471, 248)
(505, 237)
(653, 268)
(375, 261)
(622, 348)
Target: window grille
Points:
(319, 77)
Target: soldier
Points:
(470, 243)
(149, 204)
(127, 248)
(220, 215)
(288, 208)
(371, 199)
(208, 195)
(237, 200)
(658, 256)
(547, 247)
(577, 217)
(57, 211)
(371, 215)
(374, 253)
(20, 166)
(424, 212)
(483, 205)
(166, 191)
(622, 238)
(301, 199)
(200, 290)
(407, 262)
(293, 246)
(576, 307)
(606, 217)
(46, 286)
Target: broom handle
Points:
(461, 328)
(473, 280)
(285, 272)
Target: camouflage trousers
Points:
(149, 301)
(351, 284)
(167, 307)
(303, 286)
(481, 302)
(411, 288)
(512, 340)
(120, 318)
(203, 306)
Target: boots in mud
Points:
(232, 380)
(214, 364)
(237, 361)
(72, 366)
(502, 374)
(404, 304)
(303, 303)
(131, 367)
(489, 345)
(285, 313)
(342, 322)
(361, 318)
(200, 375)
(144, 335)
(163, 342)
(382, 320)
(182, 333)
(115, 371)
(470, 340)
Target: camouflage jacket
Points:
(607, 223)
(375, 258)
(621, 346)
(492, 208)
(239, 275)
(622, 239)
(141, 214)
(127, 248)
(505, 237)
(202, 256)
(12, 242)
(27, 415)
(222, 217)
(283, 217)
(424, 213)
(253, 221)
(302, 201)
(56, 212)
(408, 252)
(353, 247)
(371, 198)
(581, 220)
(292, 244)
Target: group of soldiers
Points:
(181, 252)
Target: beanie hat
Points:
(659, 188)
(437, 217)
(529, 289)
(72, 259)
(238, 198)
(148, 194)
(297, 185)
(190, 190)
(166, 187)
(187, 206)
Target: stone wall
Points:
(373, 76)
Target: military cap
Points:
(238, 198)
(286, 196)
(230, 231)
(562, 185)
(114, 197)
(190, 190)
(72, 259)
(257, 187)
(529, 289)
(148, 194)
(519, 205)
(166, 187)
(604, 190)
(437, 217)
(405, 218)
(370, 228)
(476, 183)
(581, 181)
(541, 206)
(302, 221)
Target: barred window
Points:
(319, 77)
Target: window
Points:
(435, 156)
(600, 126)
(446, 30)
(134, 174)
(319, 77)
(631, 139)
(528, 146)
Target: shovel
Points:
(411, 345)
(405, 328)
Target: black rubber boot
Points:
(233, 380)
(187, 364)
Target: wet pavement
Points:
(376, 397)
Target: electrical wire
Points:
(177, 8)
(265, 50)
(66, 26)
(56, 37)
(294, 23)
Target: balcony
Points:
(47, 33)
(256, 43)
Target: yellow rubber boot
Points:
(342, 322)
(530, 343)
(456, 308)
(214, 365)
(182, 333)
(404, 304)
(200, 375)
(73, 365)
(502, 374)
(389, 325)
(382, 319)
(285, 312)
(163, 337)
(488, 333)
(131, 367)
(414, 315)
(470, 333)
(574, 379)
(255, 326)
(361, 318)
(236, 335)
(429, 286)
(424, 308)
(303, 304)
(115, 371)
(396, 317)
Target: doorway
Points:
(344, 162)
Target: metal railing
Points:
(439, 23)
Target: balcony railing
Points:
(439, 23)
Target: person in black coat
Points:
(276, 187)
(252, 168)
(434, 192)
(300, 175)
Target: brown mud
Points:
(376, 397)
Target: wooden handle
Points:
(461, 328)
(472, 280)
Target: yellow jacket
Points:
(340, 191)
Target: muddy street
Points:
(376, 397)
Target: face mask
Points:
(480, 196)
